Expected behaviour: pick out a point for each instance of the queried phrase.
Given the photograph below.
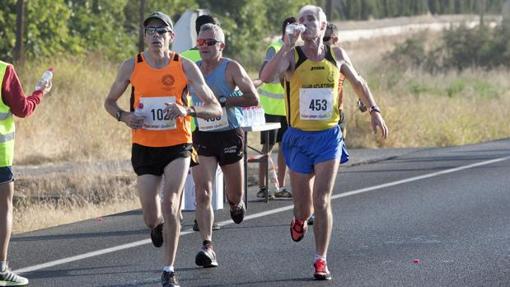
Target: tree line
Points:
(111, 28)
(366, 9)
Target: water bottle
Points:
(294, 27)
(46, 77)
(262, 117)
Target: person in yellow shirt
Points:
(313, 147)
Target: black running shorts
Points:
(226, 146)
(153, 160)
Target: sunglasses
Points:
(208, 42)
(152, 30)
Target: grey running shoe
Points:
(157, 235)
(168, 279)
(262, 193)
(9, 278)
(215, 226)
(237, 212)
(206, 257)
(283, 193)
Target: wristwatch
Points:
(118, 115)
(223, 101)
(374, 109)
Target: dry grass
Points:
(71, 125)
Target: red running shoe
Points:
(321, 270)
(298, 229)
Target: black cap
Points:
(204, 19)
(161, 16)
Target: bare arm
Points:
(362, 90)
(237, 76)
(279, 64)
(117, 89)
(211, 107)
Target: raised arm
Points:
(211, 107)
(362, 90)
(237, 76)
(279, 64)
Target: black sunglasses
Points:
(152, 30)
(208, 42)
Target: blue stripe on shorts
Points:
(303, 149)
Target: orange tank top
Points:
(151, 89)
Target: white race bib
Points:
(154, 114)
(315, 104)
(216, 123)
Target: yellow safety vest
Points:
(7, 129)
(194, 55)
(271, 94)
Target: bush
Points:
(458, 48)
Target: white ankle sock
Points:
(169, 268)
(318, 256)
(3, 266)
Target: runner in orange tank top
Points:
(159, 117)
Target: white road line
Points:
(253, 216)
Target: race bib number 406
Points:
(316, 103)
(155, 117)
(217, 123)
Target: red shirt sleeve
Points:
(14, 97)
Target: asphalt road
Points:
(428, 217)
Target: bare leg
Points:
(266, 151)
(282, 168)
(302, 194)
(325, 173)
(175, 177)
(148, 191)
(234, 177)
(6, 210)
(203, 175)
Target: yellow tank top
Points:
(312, 92)
(152, 88)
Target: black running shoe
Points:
(311, 220)
(206, 257)
(168, 279)
(157, 235)
(237, 212)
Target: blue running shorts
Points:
(303, 149)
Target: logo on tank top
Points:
(167, 81)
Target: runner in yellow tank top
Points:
(312, 144)
(161, 141)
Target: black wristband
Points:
(374, 109)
